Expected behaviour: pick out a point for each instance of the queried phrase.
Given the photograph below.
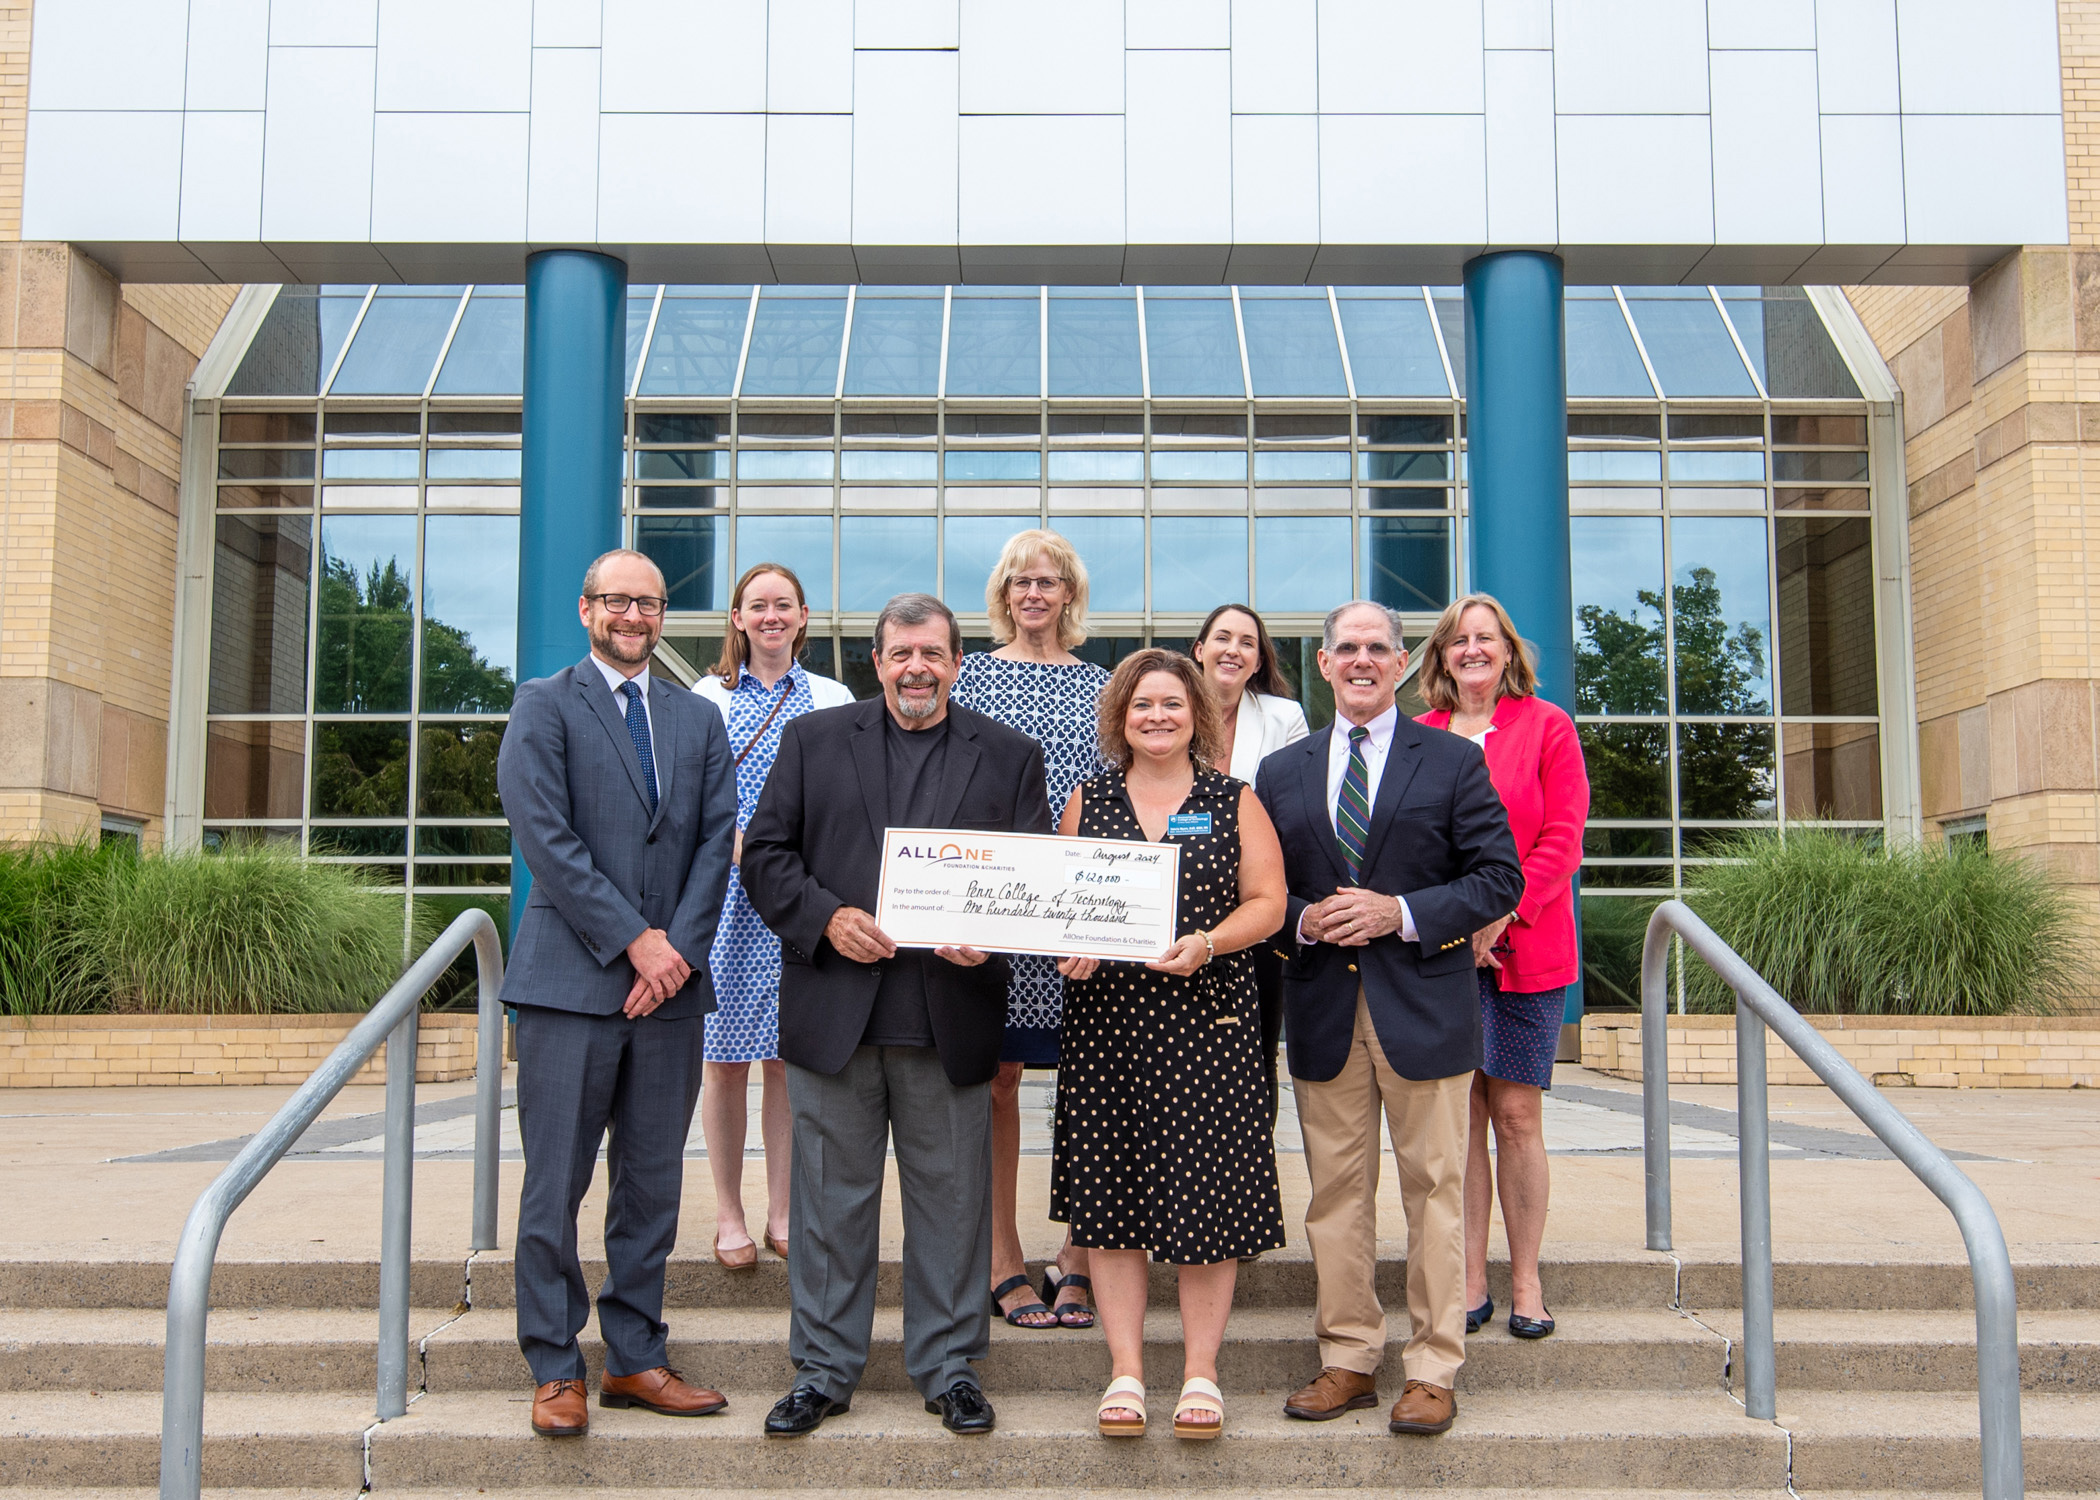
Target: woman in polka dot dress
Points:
(1163, 1148)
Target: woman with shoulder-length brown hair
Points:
(757, 684)
(1480, 680)
(1162, 1141)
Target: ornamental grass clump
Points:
(39, 886)
(1843, 925)
(250, 930)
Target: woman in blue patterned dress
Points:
(758, 686)
(1036, 598)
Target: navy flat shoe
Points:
(1479, 1317)
(1531, 1328)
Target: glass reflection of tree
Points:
(363, 665)
(1723, 769)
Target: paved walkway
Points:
(111, 1173)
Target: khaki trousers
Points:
(1429, 1124)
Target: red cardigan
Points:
(1535, 760)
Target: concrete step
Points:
(1624, 1440)
(1917, 1351)
(1638, 1440)
(333, 1350)
(1636, 1278)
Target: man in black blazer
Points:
(1396, 850)
(883, 1042)
(622, 799)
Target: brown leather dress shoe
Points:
(1424, 1408)
(660, 1390)
(561, 1409)
(1332, 1392)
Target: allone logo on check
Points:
(943, 853)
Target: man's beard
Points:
(621, 648)
(918, 710)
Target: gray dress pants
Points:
(843, 1123)
(581, 1077)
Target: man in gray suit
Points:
(883, 1042)
(622, 800)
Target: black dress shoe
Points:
(801, 1410)
(1479, 1317)
(1531, 1328)
(963, 1409)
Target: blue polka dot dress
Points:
(1055, 706)
(745, 959)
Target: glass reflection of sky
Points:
(1734, 548)
(802, 543)
(1113, 549)
(973, 547)
(1392, 349)
(896, 348)
(470, 566)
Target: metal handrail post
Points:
(1753, 1143)
(1990, 1263)
(488, 1087)
(1655, 1081)
(189, 1278)
(396, 1216)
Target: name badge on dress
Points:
(1182, 825)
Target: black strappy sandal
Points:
(1073, 1315)
(1026, 1309)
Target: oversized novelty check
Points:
(1028, 893)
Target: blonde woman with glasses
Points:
(1036, 597)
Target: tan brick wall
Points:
(121, 1051)
(1984, 1052)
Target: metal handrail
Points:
(392, 1021)
(1759, 1005)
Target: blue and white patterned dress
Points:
(1055, 706)
(745, 960)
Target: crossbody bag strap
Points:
(787, 686)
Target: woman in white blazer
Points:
(758, 685)
(1260, 717)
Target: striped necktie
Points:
(1352, 810)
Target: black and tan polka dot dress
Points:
(1162, 1127)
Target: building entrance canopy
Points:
(1095, 141)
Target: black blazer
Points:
(814, 844)
(1440, 839)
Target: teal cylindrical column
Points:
(574, 429)
(1517, 460)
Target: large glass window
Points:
(363, 637)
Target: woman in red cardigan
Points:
(1479, 680)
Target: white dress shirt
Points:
(1377, 744)
(616, 682)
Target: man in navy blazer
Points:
(1396, 851)
(622, 799)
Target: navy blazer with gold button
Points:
(1439, 839)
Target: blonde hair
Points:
(1122, 687)
(1019, 549)
(1519, 679)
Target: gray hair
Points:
(1334, 618)
(917, 609)
(590, 574)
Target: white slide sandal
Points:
(1125, 1393)
(1200, 1414)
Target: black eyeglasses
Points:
(646, 605)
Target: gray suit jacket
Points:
(603, 869)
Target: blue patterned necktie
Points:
(638, 731)
(1352, 810)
